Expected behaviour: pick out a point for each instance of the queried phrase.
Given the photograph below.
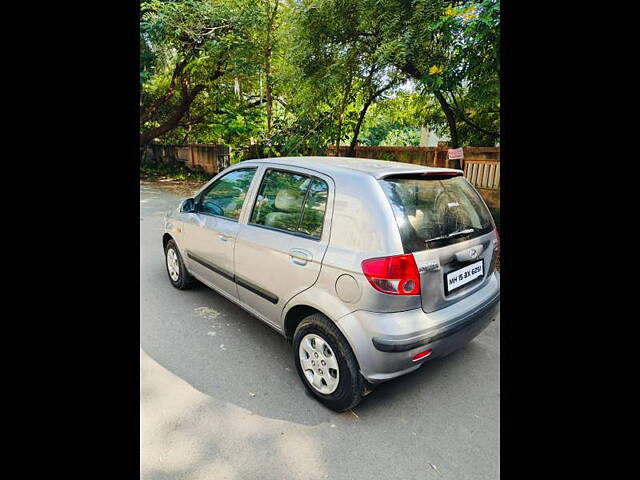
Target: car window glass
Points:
(225, 197)
(314, 208)
(279, 201)
(432, 213)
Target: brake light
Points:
(451, 173)
(396, 275)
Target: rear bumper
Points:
(385, 343)
(402, 343)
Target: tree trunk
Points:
(411, 70)
(267, 64)
(187, 133)
(338, 135)
(351, 152)
(269, 98)
(461, 114)
(343, 106)
(173, 121)
(153, 108)
(451, 119)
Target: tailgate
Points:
(451, 273)
(445, 224)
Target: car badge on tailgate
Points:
(470, 253)
(432, 266)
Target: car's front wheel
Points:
(326, 364)
(178, 274)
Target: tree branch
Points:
(153, 108)
(259, 100)
(466, 120)
(451, 118)
(187, 98)
(351, 152)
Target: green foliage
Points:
(336, 66)
(403, 137)
(397, 120)
(176, 170)
(452, 49)
(337, 70)
(195, 54)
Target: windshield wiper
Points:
(450, 235)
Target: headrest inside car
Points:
(289, 200)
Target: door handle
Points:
(299, 256)
(224, 237)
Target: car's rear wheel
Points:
(178, 274)
(326, 364)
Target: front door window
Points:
(225, 197)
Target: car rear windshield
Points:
(432, 212)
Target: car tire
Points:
(350, 384)
(179, 277)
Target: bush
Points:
(179, 171)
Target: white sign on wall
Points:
(456, 154)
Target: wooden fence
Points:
(485, 176)
(481, 165)
(211, 158)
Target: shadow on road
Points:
(250, 365)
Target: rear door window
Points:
(435, 212)
(291, 202)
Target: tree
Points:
(452, 50)
(189, 47)
(397, 120)
(338, 52)
(272, 19)
(293, 76)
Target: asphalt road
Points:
(220, 397)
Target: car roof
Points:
(368, 166)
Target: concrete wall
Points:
(211, 158)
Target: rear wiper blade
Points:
(454, 234)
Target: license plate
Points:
(464, 275)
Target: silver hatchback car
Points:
(369, 268)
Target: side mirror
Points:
(188, 206)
